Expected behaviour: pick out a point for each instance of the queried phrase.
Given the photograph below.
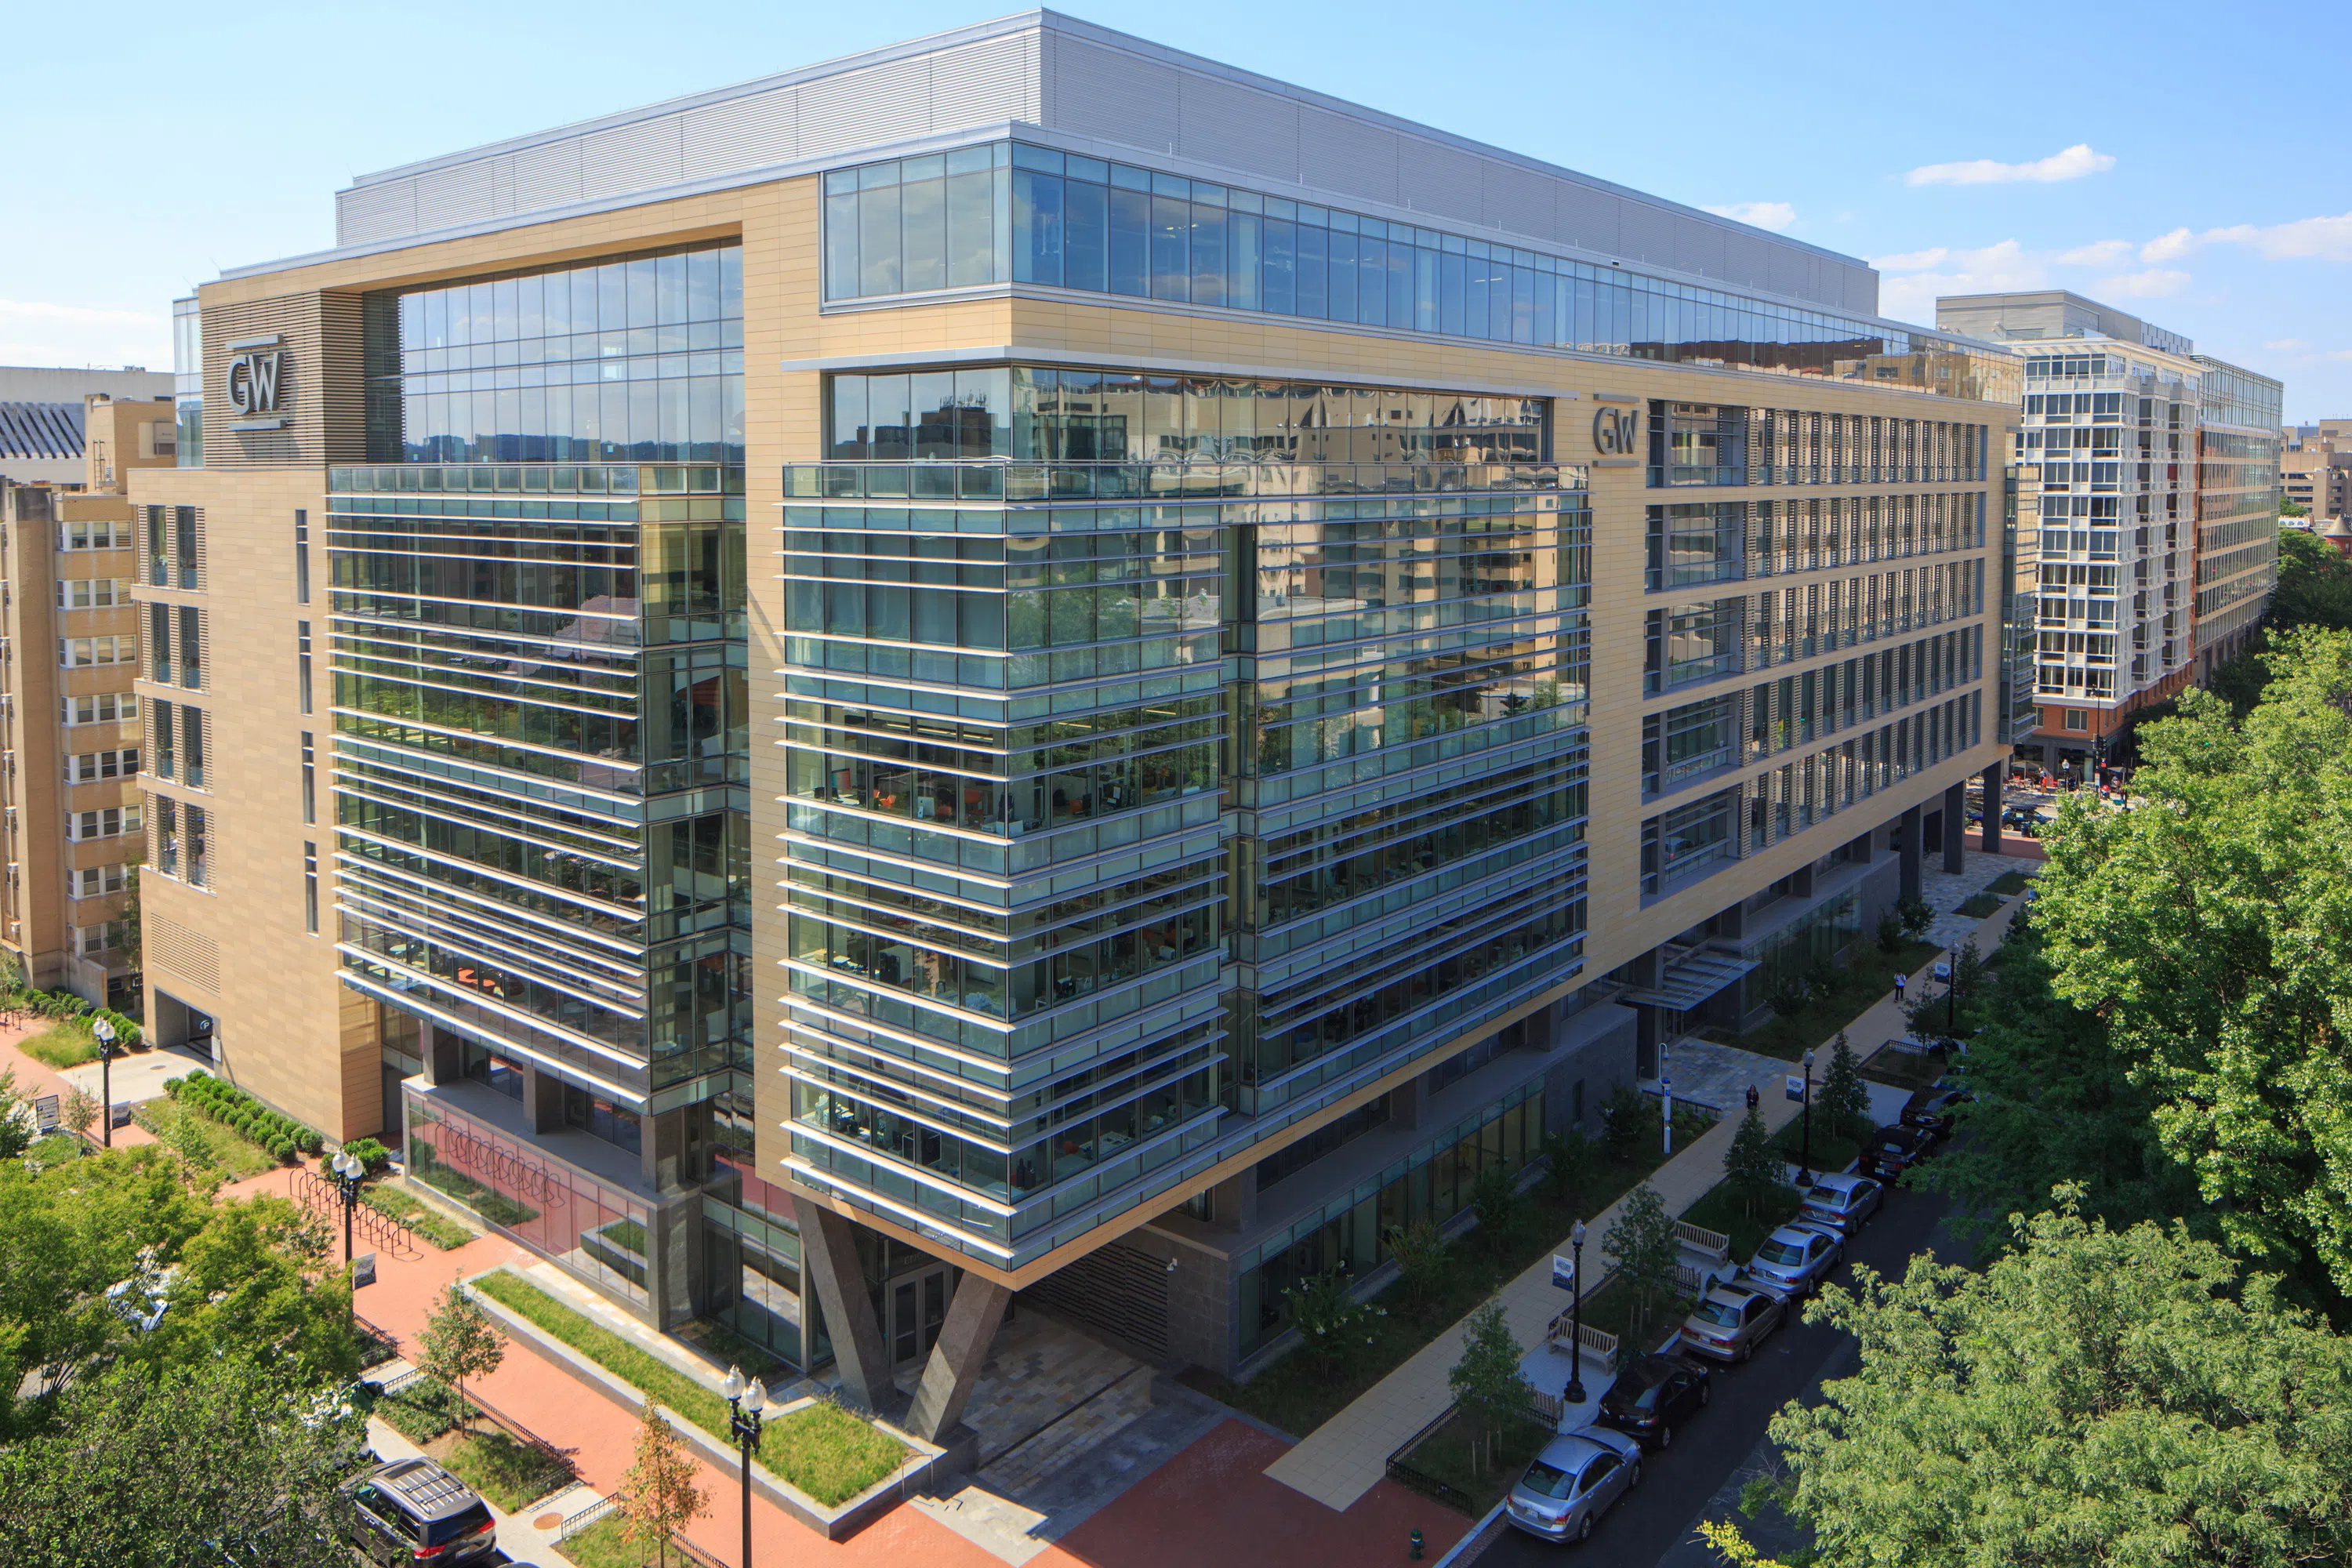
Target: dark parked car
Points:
(412, 1511)
(1930, 1109)
(1655, 1394)
(1892, 1151)
(2026, 819)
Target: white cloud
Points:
(1909, 260)
(2339, 354)
(37, 332)
(2070, 165)
(1923, 276)
(2308, 238)
(2156, 283)
(2286, 345)
(2098, 253)
(1775, 216)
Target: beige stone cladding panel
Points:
(274, 991)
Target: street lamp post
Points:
(349, 1172)
(1952, 1001)
(745, 1400)
(1805, 1168)
(104, 1031)
(1574, 1393)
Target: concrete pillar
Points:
(1906, 853)
(829, 1257)
(957, 1357)
(1233, 1202)
(1993, 778)
(445, 1058)
(1956, 813)
(542, 1100)
(1406, 1099)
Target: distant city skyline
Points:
(221, 142)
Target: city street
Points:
(1714, 1456)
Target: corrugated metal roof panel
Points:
(40, 431)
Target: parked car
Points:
(1575, 1480)
(412, 1511)
(2026, 819)
(1794, 1258)
(1731, 1320)
(1840, 1202)
(1930, 1110)
(1652, 1395)
(1891, 1151)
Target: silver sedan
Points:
(1573, 1482)
(1794, 1258)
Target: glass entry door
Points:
(918, 1306)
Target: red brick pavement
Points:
(35, 1079)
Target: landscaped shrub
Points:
(368, 1152)
(230, 1106)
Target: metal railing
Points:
(573, 1523)
(1402, 1471)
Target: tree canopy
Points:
(2093, 1396)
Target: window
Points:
(199, 866)
(2076, 719)
(159, 644)
(102, 708)
(1696, 544)
(92, 593)
(191, 648)
(302, 663)
(107, 823)
(1684, 742)
(165, 722)
(1689, 841)
(88, 535)
(88, 767)
(167, 834)
(1693, 642)
(310, 780)
(78, 653)
(310, 887)
(188, 548)
(95, 881)
(301, 557)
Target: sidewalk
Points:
(36, 1078)
(1342, 1460)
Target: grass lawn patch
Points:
(721, 1343)
(1456, 1456)
(823, 1450)
(1293, 1395)
(1831, 1150)
(418, 1410)
(1725, 1208)
(63, 1045)
(603, 1545)
(2008, 884)
(512, 1475)
(1866, 978)
(1977, 906)
(1611, 1309)
(1907, 1069)
(201, 1141)
(433, 1226)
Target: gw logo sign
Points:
(253, 381)
(1617, 432)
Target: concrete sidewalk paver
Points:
(1343, 1459)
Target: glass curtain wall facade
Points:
(539, 689)
(1118, 756)
(1014, 213)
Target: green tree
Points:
(1752, 1165)
(460, 1342)
(2209, 930)
(1624, 1122)
(660, 1495)
(1642, 1244)
(2092, 1397)
(1420, 1252)
(1842, 1099)
(161, 1467)
(1568, 1160)
(1332, 1325)
(1495, 1198)
(80, 1110)
(1486, 1382)
(16, 1121)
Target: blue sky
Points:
(1952, 146)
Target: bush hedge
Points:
(284, 1137)
(65, 1004)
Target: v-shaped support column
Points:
(957, 1357)
(829, 1257)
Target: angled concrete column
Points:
(957, 1357)
(829, 1256)
(1906, 853)
(1992, 777)
(1956, 816)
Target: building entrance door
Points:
(918, 1306)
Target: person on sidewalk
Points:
(1754, 1098)
(1900, 982)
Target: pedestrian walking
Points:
(1900, 982)
(1754, 1098)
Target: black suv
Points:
(412, 1511)
(1894, 1150)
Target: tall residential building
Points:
(70, 735)
(1030, 662)
(2147, 480)
(2316, 468)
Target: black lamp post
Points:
(1805, 1168)
(1952, 1001)
(745, 1400)
(1574, 1393)
(104, 1032)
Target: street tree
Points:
(1752, 1166)
(2092, 1397)
(79, 1112)
(1642, 1244)
(460, 1342)
(1486, 1383)
(1495, 1198)
(1569, 1159)
(660, 1493)
(1420, 1252)
(1842, 1100)
(2209, 930)
(158, 1467)
(16, 1123)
